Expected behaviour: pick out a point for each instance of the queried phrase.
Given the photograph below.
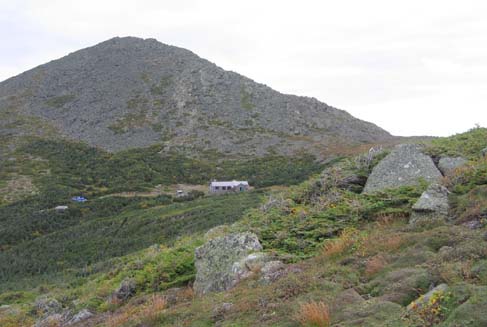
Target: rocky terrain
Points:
(331, 251)
(377, 234)
(130, 92)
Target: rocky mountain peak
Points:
(130, 92)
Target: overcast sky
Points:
(412, 67)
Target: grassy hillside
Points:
(352, 259)
(49, 242)
(60, 169)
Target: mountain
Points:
(130, 93)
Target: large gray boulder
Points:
(405, 165)
(223, 261)
(447, 165)
(432, 205)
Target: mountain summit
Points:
(130, 92)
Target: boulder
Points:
(80, 316)
(423, 300)
(484, 152)
(126, 289)
(432, 205)
(447, 165)
(223, 261)
(406, 165)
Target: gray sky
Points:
(412, 67)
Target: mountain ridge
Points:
(130, 92)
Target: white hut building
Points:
(229, 187)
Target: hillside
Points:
(341, 257)
(130, 93)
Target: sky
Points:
(411, 67)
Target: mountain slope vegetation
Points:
(351, 259)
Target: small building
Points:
(229, 187)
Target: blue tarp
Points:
(78, 199)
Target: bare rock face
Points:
(447, 165)
(223, 261)
(432, 205)
(405, 165)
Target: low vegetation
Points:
(351, 259)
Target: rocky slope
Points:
(130, 92)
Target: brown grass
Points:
(375, 265)
(316, 314)
(149, 311)
(339, 245)
(155, 307)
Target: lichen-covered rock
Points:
(432, 205)
(222, 262)
(126, 289)
(447, 165)
(406, 165)
(423, 300)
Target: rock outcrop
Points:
(405, 165)
(447, 165)
(432, 205)
(423, 300)
(223, 261)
